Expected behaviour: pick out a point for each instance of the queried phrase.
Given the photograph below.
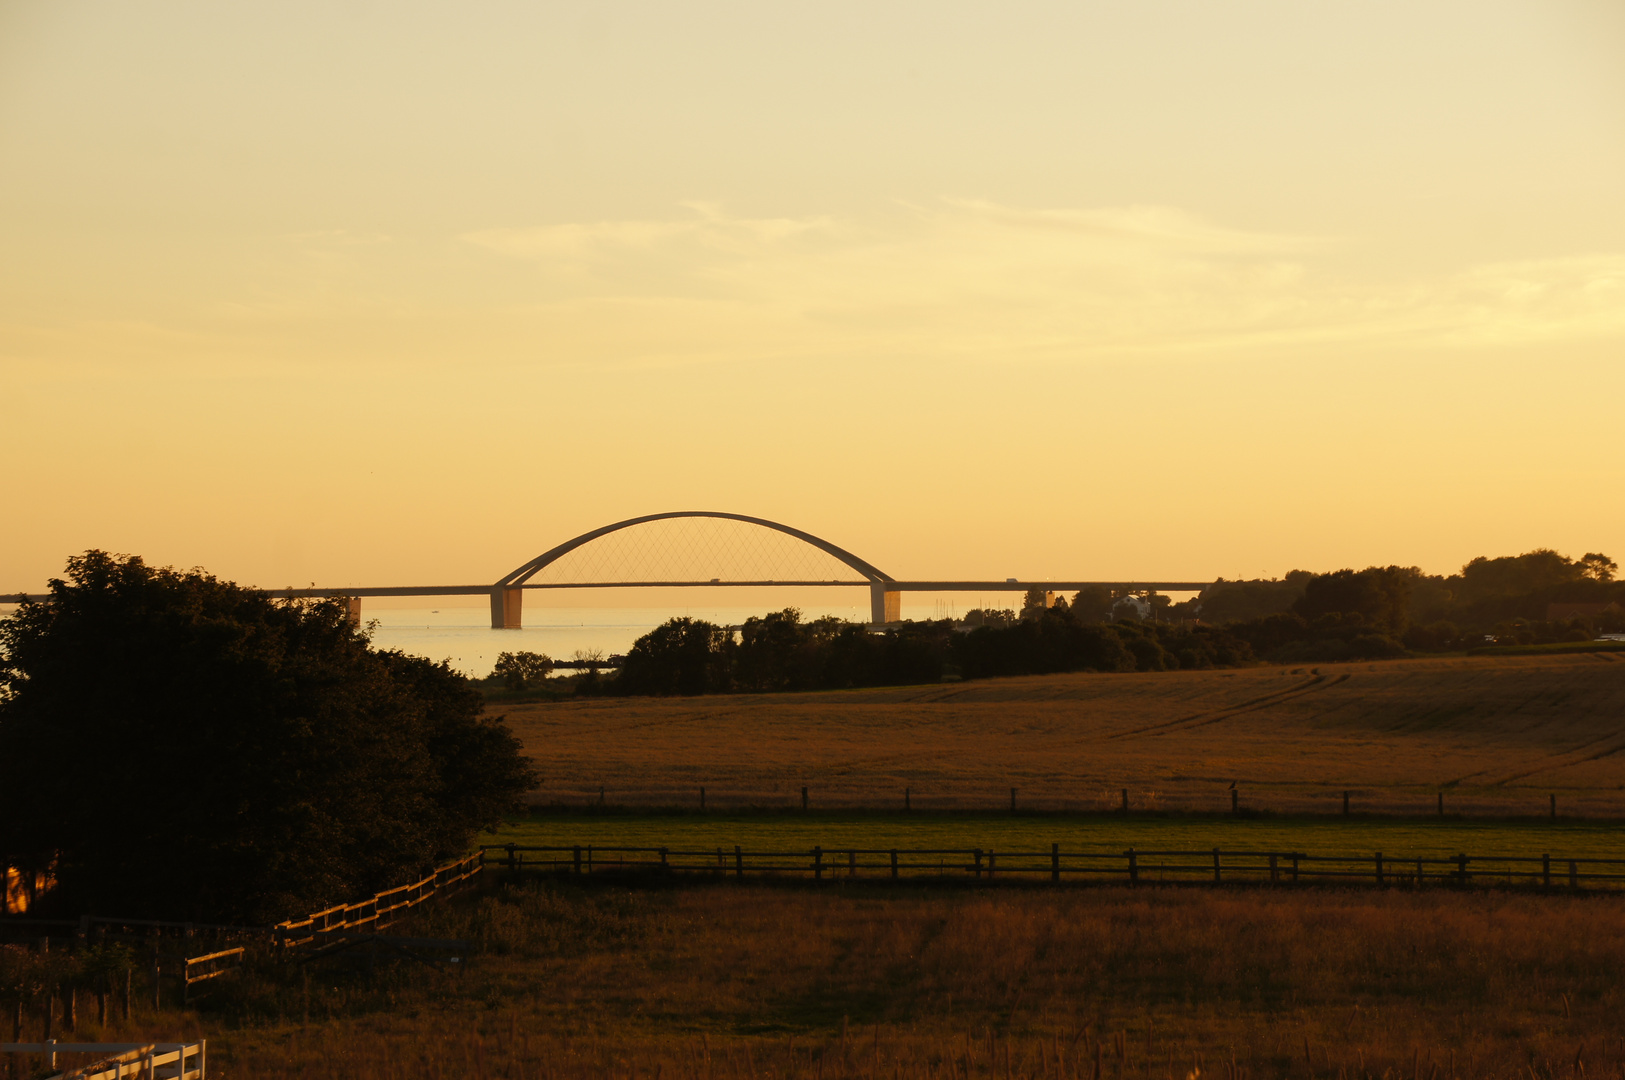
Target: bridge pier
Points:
(506, 605)
(353, 609)
(885, 605)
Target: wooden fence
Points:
(123, 1061)
(379, 911)
(1212, 866)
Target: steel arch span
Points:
(508, 592)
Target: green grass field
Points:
(1357, 835)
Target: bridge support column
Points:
(885, 605)
(353, 609)
(506, 605)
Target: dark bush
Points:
(184, 748)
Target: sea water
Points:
(463, 636)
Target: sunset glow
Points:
(370, 294)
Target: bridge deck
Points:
(890, 586)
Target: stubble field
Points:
(724, 982)
(1497, 736)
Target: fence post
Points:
(894, 864)
(1294, 868)
(1055, 862)
(511, 863)
(1574, 874)
(1133, 867)
(1546, 871)
(1379, 869)
(1275, 873)
(1125, 800)
(663, 863)
(818, 864)
(1461, 869)
(739, 862)
(1215, 865)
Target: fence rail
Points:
(123, 1061)
(378, 911)
(1132, 866)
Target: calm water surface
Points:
(464, 635)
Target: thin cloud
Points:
(972, 279)
(1167, 225)
(711, 229)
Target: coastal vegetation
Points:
(1539, 598)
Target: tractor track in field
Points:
(1187, 723)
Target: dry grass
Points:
(733, 982)
(1497, 734)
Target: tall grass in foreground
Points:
(757, 981)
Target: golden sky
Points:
(362, 293)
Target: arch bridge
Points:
(612, 557)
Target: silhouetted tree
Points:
(1516, 575)
(1238, 601)
(1379, 595)
(522, 670)
(185, 748)
(681, 656)
(1598, 566)
(1092, 604)
(1034, 603)
(773, 652)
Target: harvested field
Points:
(1496, 735)
(722, 982)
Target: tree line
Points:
(1375, 613)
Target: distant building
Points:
(1131, 607)
(1563, 612)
